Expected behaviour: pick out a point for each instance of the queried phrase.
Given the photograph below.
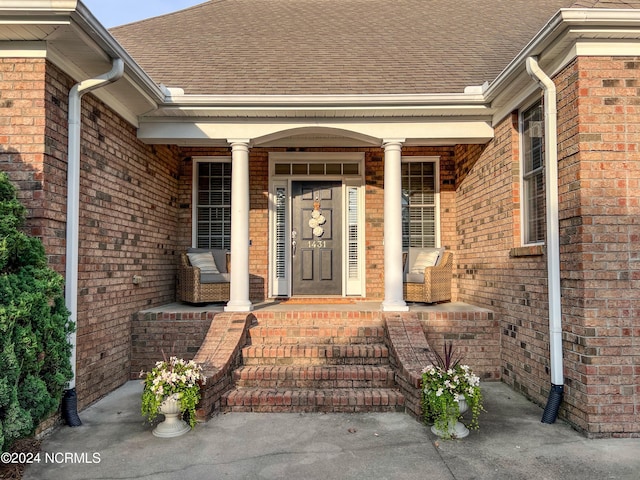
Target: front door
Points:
(316, 245)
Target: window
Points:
(317, 168)
(532, 135)
(213, 204)
(419, 209)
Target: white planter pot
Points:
(173, 424)
(455, 428)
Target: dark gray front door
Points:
(316, 238)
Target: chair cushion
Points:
(215, 277)
(425, 259)
(219, 256)
(414, 278)
(204, 261)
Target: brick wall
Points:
(493, 272)
(599, 192)
(599, 211)
(23, 118)
(374, 223)
(156, 333)
(128, 217)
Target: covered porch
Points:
(349, 169)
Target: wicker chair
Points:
(195, 286)
(434, 285)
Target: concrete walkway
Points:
(512, 444)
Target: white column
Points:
(239, 288)
(393, 295)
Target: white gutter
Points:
(327, 100)
(553, 230)
(73, 193)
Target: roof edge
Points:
(564, 19)
(86, 21)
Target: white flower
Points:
(439, 392)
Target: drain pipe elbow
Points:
(552, 239)
(69, 400)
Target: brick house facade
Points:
(136, 216)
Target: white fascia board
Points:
(26, 6)
(596, 49)
(35, 49)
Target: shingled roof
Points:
(293, 47)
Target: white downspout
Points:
(73, 210)
(553, 237)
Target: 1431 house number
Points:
(317, 244)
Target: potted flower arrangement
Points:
(172, 388)
(448, 389)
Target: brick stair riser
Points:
(345, 400)
(319, 320)
(302, 353)
(315, 335)
(322, 377)
(307, 361)
(314, 340)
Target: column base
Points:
(395, 306)
(238, 306)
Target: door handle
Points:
(294, 243)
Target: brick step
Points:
(315, 376)
(292, 335)
(315, 317)
(311, 400)
(364, 354)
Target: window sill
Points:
(530, 251)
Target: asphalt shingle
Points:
(234, 47)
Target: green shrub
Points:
(34, 326)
